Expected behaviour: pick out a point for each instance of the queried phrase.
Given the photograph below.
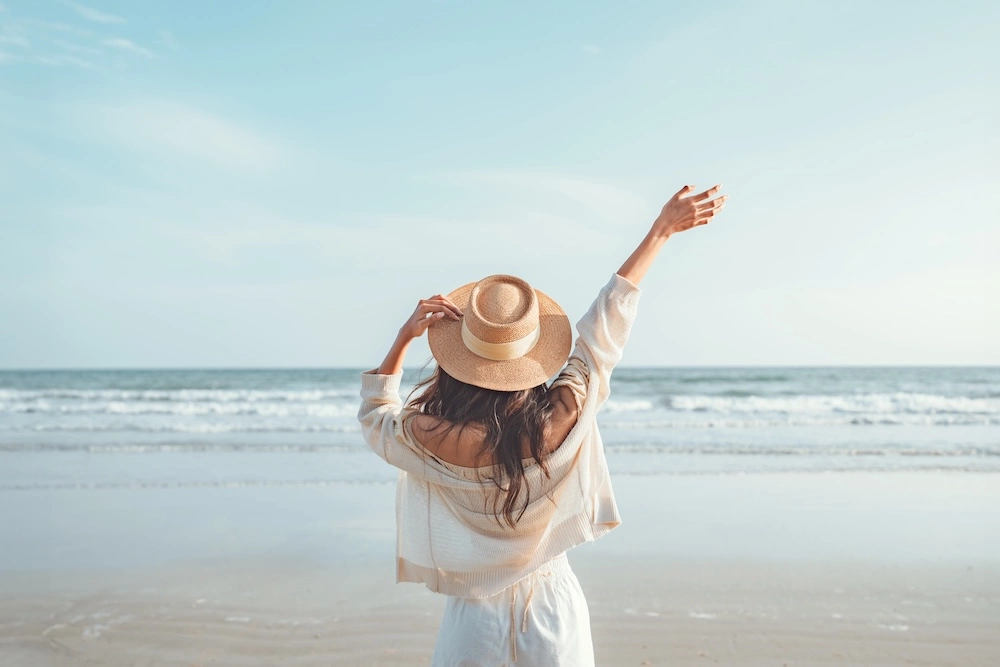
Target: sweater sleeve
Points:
(602, 334)
(381, 415)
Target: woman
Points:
(500, 473)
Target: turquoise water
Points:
(159, 428)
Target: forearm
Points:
(393, 362)
(642, 257)
(682, 212)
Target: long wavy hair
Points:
(509, 418)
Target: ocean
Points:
(182, 428)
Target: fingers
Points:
(716, 203)
(435, 306)
(424, 322)
(711, 192)
(447, 301)
(707, 210)
(683, 192)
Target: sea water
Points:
(183, 428)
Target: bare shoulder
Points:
(564, 415)
(449, 442)
(563, 400)
(463, 445)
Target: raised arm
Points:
(682, 212)
(605, 328)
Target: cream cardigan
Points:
(446, 533)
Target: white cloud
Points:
(63, 59)
(30, 41)
(592, 49)
(14, 36)
(127, 45)
(58, 27)
(95, 15)
(52, 60)
(190, 132)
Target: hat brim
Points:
(534, 368)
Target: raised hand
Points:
(429, 311)
(685, 211)
(681, 213)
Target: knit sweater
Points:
(447, 536)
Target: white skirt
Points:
(543, 619)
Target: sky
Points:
(263, 184)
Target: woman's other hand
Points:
(685, 211)
(682, 212)
(426, 313)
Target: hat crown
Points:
(502, 303)
(503, 308)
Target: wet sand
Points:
(838, 569)
(643, 610)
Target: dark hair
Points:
(508, 417)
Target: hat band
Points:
(500, 351)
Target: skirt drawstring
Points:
(527, 602)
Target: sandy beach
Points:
(767, 569)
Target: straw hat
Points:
(511, 336)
